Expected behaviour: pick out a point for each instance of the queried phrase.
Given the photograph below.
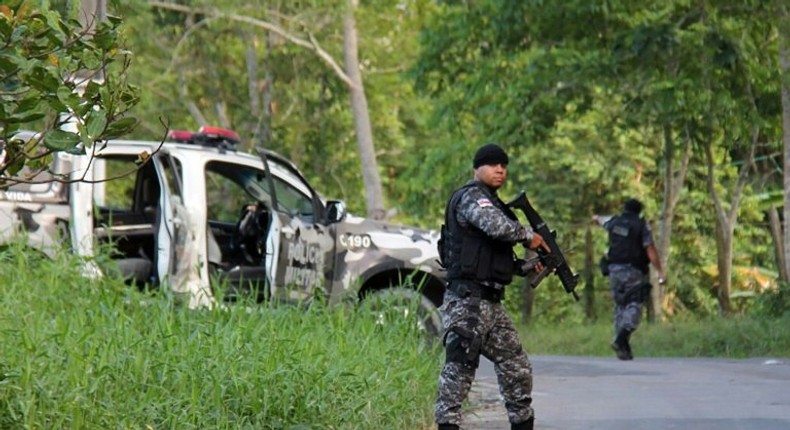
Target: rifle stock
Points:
(552, 262)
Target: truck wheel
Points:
(392, 303)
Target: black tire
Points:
(404, 302)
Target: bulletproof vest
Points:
(472, 254)
(625, 241)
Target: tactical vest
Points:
(625, 241)
(475, 256)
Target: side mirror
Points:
(335, 211)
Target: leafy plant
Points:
(68, 82)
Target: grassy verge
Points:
(81, 354)
(737, 337)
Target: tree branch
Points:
(310, 44)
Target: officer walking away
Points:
(479, 235)
(631, 250)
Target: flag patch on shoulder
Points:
(484, 203)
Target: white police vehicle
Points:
(201, 217)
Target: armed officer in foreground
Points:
(479, 234)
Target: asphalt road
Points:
(601, 393)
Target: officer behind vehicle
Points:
(631, 250)
(481, 232)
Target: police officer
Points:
(481, 232)
(631, 250)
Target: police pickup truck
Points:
(209, 221)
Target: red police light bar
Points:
(180, 136)
(220, 133)
(207, 136)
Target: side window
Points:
(293, 201)
(174, 175)
(115, 193)
(229, 188)
(125, 192)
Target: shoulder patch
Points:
(484, 202)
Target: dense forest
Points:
(382, 103)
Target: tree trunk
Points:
(251, 59)
(724, 260)
(674, 179)
(266, 117)
(589, 275)
(92, 12)
(727, 219)
(359, 108)
(776, 235)
(784, 60)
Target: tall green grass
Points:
(81, 354)
(736, 337)
(85, 354)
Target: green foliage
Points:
(696, 337)
(590, 113)
(775, 303)
(83, 354)
(716, 337)
(552, 305)
(593, 113)
(283, 96)
(51, 67)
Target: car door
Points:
(165, 223)
(177, 251)
(304, 247)
(81, 216)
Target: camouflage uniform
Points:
(627, 285)
(495, 336)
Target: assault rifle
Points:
(554, 261)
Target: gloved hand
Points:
(523, 267)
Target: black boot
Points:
(526, 425)
(627, 344)
(448, 427)
(621, 345)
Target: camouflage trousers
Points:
(630, 289)
(473, 327)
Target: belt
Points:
(465, 288)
